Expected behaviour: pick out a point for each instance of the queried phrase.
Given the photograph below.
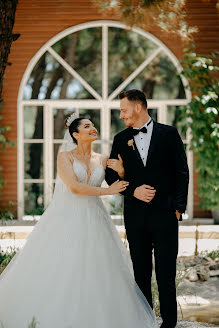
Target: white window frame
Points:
(105, 103)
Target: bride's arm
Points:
(117, 166)
(66, 173)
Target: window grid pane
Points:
(57, 83)
(33, 122)
(33, 199)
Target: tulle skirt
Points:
(73, 272)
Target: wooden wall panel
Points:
(38, 21)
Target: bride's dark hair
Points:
(73, 127)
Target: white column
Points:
(190, 164)
(105, 62)
(162, 113)
(105, 129)
(48, 154)
(20, 163)
(105, 110)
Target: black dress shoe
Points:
(168, 326)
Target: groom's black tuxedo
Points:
(154, 225)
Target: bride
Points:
(74, 271)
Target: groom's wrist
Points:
(129, 192)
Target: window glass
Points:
(159, 80)
(82, 50)
(33, 122)
(55, 153)
(153, 113)
(173, 113)
(96, 147)
(33, 161)
(127, 50)
(59, 117)
(117, 124)
(50, 80)
(33, 199)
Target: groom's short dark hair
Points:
(134, 95)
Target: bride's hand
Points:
(116, 165)
(117, 187)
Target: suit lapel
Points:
(135, 153)
(154, 140)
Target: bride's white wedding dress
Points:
(73, 271)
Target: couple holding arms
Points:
(74, 271)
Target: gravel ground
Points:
(190, 324)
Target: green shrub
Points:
(6, 257)
(8, 212)
(213, 254)
(4, 142)
(201, 115)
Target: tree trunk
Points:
(7, 18)
(35, 149)
(67, 77)
(59, 118)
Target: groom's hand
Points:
(145, 193)
(178, 214)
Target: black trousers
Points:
(158, 231)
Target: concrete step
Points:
(208, 236)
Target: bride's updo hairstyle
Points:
(73, 127)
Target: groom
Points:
(156, 167)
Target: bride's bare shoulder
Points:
(64, 156)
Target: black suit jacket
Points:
(166, 170)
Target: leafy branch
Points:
(201, 115)
(169, 16)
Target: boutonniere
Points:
(131, 143)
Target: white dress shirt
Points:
(143, 140)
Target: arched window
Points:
(83, 69)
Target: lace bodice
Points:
(96, 178)
(97, 175)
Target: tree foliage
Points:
(201, 115)
(168, 15)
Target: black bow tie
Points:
(144, 129)
(136, 131)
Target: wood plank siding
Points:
(38, 21)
